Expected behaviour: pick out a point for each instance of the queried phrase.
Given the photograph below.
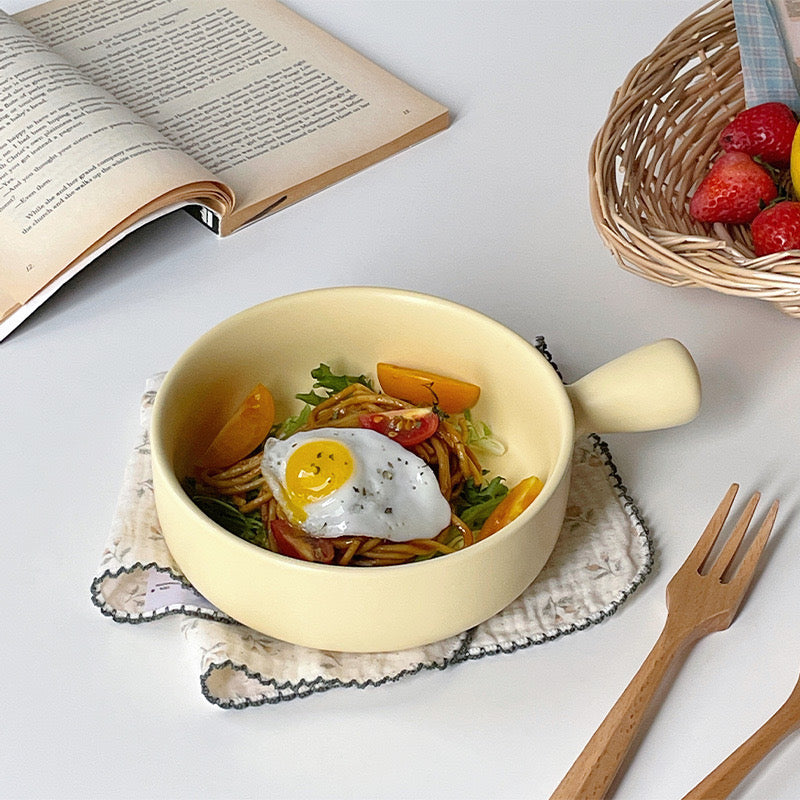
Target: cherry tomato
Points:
(512, 505)
(244, 431)
(427, 388)
(407, 426)
(296, 543)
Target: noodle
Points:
(446, 452)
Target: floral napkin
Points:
(603, 553)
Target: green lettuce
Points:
(480, 436)
(475, 502)
(331, 383)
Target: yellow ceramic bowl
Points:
(351, 329)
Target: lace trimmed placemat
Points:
(603, 554)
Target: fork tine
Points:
(728, 553)
(708, 538)
(744, 574)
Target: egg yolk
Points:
(315, 470)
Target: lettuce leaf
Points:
(246, 526)
(480, 436)
(476, 502)
(291, 424)
(331, 383)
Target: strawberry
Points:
(765, 131)
(777, 228)
(734, 191)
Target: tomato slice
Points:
(512, 505)
(407, 426)
(427, 388)
(295, 543)
(243, 432)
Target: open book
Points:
(116, 112)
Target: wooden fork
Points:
(730, 773)
(701, 597)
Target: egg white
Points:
(391, 494)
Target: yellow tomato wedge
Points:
(243, 432)
(794, 164)
(512, 505)
(427, 388)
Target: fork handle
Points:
(719, 783)
(595, 768)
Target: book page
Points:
(262, 98)
(75, 164)
(23, 311)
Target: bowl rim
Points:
(163, 464)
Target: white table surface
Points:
(492, 213)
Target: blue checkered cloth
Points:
(766, 69)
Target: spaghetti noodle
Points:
(446, 452)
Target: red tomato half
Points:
(407, 426)
(295, 543)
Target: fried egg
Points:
(354, 482)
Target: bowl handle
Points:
(654, 386)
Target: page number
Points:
(28, 267)
(406, 111)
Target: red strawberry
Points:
(734, 191)
(777, 228)
(765, 130)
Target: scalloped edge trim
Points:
(185, 609)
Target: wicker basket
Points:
(654, 148)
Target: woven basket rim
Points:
(661, 130)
